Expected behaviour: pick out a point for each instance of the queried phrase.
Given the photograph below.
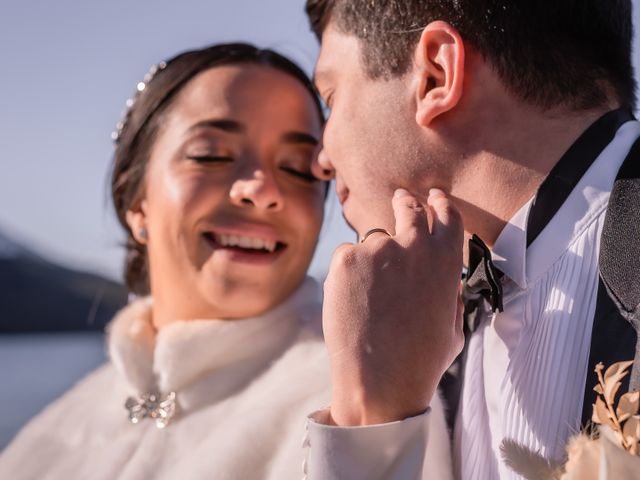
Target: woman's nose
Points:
(259, 191)
(322, 167)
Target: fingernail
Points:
(400, 192)
(436, 192)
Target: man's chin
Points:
(349, 223)
(353, 217)
(361, 220)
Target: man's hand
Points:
(392, 315)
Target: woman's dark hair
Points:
(136, 133)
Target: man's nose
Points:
(260, 191)
(322, 167)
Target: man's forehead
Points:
(337, 51)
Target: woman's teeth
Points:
(245, 242)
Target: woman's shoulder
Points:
(63, 422)
(303, 368)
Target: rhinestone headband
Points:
(140, 87)
(187, 65)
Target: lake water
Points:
(37, 368)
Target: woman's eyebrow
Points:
(299, 137)
(224, 124)
(233, 126)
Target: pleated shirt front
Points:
(530, 388)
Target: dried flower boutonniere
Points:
(623, 418)
(611, 451)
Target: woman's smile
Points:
(248, 243)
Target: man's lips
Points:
(341, 191)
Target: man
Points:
(509, 119)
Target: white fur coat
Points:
(243, 392)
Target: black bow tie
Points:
(482, 281)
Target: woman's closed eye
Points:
(305, 175)
(208, 158)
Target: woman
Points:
(215, 367)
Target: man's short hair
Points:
(574, 53)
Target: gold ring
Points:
(372, 231)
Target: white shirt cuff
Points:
(390, 451)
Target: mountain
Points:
(10, 248)
(39, 295)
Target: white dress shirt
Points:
(526, 366)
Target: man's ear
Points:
(136, 218)
(439, 66)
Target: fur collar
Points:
(204, 358)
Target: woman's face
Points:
(231, 209)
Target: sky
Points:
(66, 70)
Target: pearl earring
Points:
(142, 233)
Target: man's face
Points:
(371, 138)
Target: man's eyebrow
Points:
(299, 137)
(321, 76)
(224, 124)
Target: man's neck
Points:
(514, 153)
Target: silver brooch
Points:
(150, 405)
(117, 133)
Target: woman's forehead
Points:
(242, 83)
(248, 93)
